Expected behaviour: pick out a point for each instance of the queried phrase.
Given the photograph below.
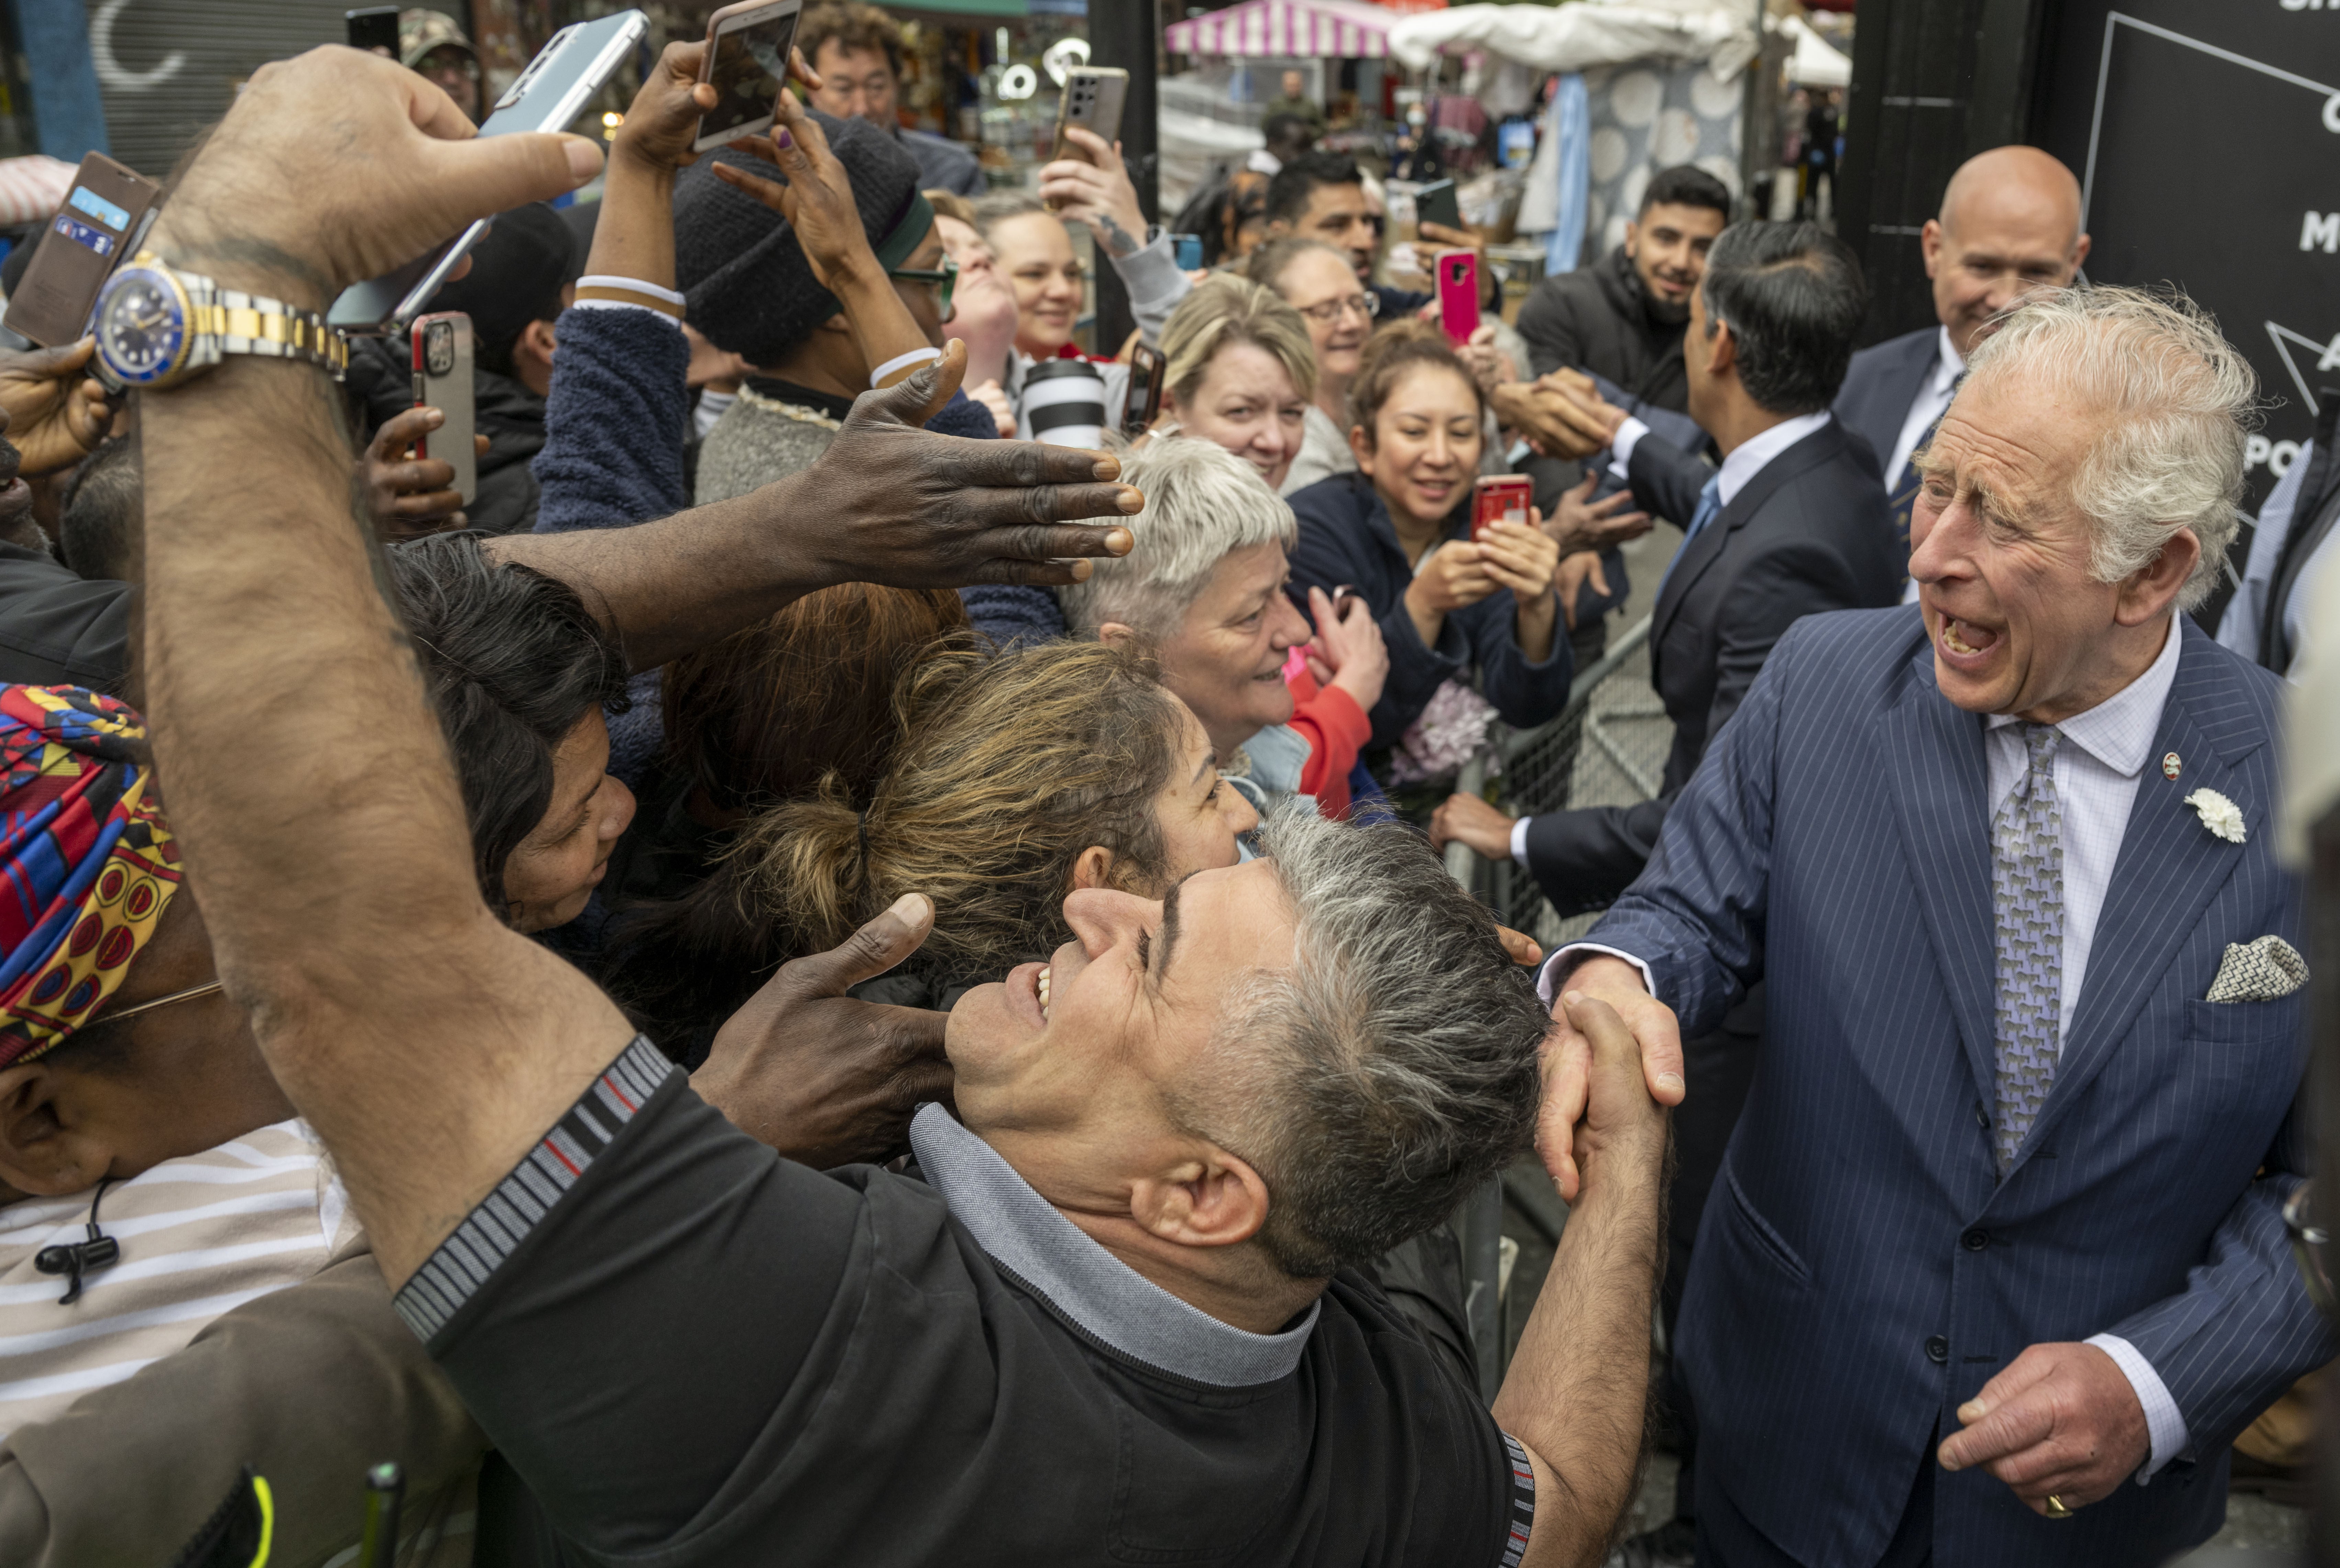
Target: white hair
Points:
(1202, 504)
(2177, 402)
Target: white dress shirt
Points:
(1933, 399)
(2097, 772)
(1746, 461)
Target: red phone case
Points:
(1457, 293)
(1498, 496)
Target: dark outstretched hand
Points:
(900, 506)
(822, 1077)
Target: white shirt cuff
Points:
(1561, 965)
(2162, 1419)
(600, 292)
(902, 362)
(1620, 446)
(1520, 840)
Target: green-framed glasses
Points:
(944, 278)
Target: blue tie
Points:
(1710, 507)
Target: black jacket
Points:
(60, 630)
(1347, 540)
(1598, 319)
(1810, 531)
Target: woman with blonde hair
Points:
(1239, 373)
(1018, 778)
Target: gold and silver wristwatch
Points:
(157, 326)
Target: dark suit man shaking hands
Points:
(1793, 523)
(2003, 863)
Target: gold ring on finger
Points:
(2057, 1508)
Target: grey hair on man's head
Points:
(1202, 504)
(2177, 402)
(1392, 1068)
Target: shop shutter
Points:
(168, 69)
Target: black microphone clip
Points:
(79, 1257)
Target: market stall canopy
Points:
(1291, 29)
(1816, 63)
(1584, 36)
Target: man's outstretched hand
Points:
(56, 415)
(2062, 1420)
(822, 1077)
(1567, 1057)
(337, 166)
(890, 502)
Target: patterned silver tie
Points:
(2027, 883)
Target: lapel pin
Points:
(2172, 765)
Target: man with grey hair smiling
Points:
(1204, 588)
(2001, 1271)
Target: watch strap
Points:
(246, 324)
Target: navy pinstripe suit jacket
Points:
(1862, 1270)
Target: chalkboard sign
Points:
(2207, 136)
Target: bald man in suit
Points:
(2010, 224)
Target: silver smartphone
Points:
(443, 380)
(747, 49)
(573, 66)
(1093, 98)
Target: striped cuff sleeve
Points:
(1515, 1544)
(600, 292)
(493, 1231)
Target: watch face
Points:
(141, 327)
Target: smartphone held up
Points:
(1498, 498)
(443, 380)
(748, 47)
(549, 95)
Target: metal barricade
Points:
(1607, 748)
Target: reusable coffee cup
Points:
(1062, 404)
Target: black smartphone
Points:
(1143, 405)
(373, 28)
(1434, 204)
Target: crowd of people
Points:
(801, 980)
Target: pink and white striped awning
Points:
(1290, 29)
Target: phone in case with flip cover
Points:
(547, 96)
(103, 220)
(1093, 98)
(443, 380)
(747, 60)
(1457, 293)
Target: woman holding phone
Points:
(1399, 531)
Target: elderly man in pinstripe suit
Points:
(1996, 1268)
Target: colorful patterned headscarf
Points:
(86, 861)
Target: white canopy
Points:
(1584, 36)
(1816, 63)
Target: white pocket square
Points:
(2262, 971)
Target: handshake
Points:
(1562, 415)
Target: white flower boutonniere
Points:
(2218, 814)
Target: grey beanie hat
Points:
(744, 278)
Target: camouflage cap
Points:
(421, 30)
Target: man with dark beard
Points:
(1621, 317)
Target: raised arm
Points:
(431, 1046)
(614, 422)
(1579, 1384)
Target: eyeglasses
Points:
(944, 278)
(1331, 311)
(208, 989)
